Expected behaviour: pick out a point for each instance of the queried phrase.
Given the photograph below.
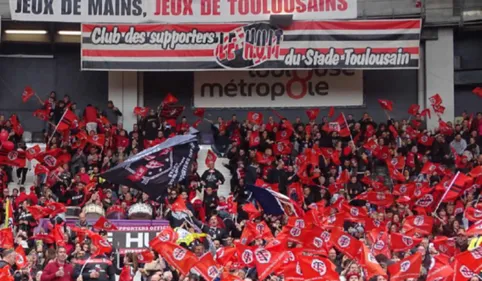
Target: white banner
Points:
(178, 11)
(283, 88)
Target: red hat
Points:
(352, 274)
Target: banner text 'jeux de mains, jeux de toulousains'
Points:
(178, 11)
(360, 44)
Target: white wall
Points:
(439, 67)
(123, 91)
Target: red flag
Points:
(381, 199)
(268, 260)
(225, 254)
(386, 104)
(251, 210)
(317, 268)
(477, 91)
(429, 168)
(32, 152)
(402, 243)
(425, 140)
(316, 241)
(435, 99)
(41, 170)
(103, 246)
(171, 112)
(370, 265)
(16, 126)
(15, 158)
(27, 93)
(473, 214)
(125, 274)
(420, 224)
(394, 131)
(199, 112)
(444, 128)
(339, 126)
(97, 140)
(355, 214)
(331, 112)
(208, 268)
(440, 269)
(55, 208)
(254, 139)
(20, 259)
(170, 99)
(6, 238)
(68, 121)
(438, 108)
(141, 111)
(255, 117)
(426, 112)
(41, 114)
(259, 230)
(145, 256)
(413, 109)
(210, 158)
(445, 245)
(179, 205)
(475, 229)
(58, 234)
(166, 235)
(104, 224)
(407, 268)
(282, 148)
(345, 243)
(37, 212)
(312, 113)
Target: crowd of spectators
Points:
(370, 178)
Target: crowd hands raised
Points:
(363, 200)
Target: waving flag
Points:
(20, 259)
(386, 104)
(370, 265)
(268, 260)
(68, 121)
(403, 243)
(406, 268)
(104, 224)
(345, 243)
(421, 224)
(170, 99)
(317, 268)
(28, 92)
(210, 158)
(153, 169)
(413, 109)
(255, 117)
(312, 113)
(141, 111)
(440, 269)
(42, 114)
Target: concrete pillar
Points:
(421, 78)
(439, 69)
(123, 91)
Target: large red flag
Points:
(377, 198)
(68, 121)
(199, 112)
(254, 139)
(97, 140)
(369, 264)
(445, 245)
(166, 235)
(269, 260)
(103, 246)
(475, 229)
(339, 126)
(345, 243)
(435, 99)
(407, 268)
(473, 214)
(58, 234)
(471, 259)
(440, 269)
(179, 205)
(145, 256)
(386, 104)
(5, 274)
(32, 152)
(403, 243)
(42, 114)
(317, 268)
(6, 238)
(208, 268)
(141, 111)
(37, 212)
(420, 224)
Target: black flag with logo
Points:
(154, 169)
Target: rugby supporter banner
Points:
(178, 11)
(278, 88)
(130, 236)
(376, 44)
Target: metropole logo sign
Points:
(283, 88)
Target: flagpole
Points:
(346, 124)
(446, 192)
(55, 130)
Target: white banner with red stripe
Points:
(375, 44)
(178, 11)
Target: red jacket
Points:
(51, 269)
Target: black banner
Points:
(154, 169)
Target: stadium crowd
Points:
(362, 199)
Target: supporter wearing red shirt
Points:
(59, 269)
